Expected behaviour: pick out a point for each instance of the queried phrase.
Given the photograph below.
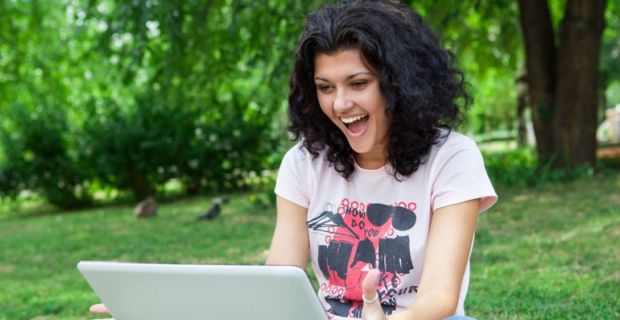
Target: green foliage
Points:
(142, 92)
(609, 164)
(512, 168)
(610, 57)
(485, 38)
(138, 148)
(37, 157)
(520, 167)
(152, 91)
(494, 106)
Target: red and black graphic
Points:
(360, 237)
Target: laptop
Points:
(137, 291)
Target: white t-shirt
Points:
(373, 220)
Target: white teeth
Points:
(353, 119)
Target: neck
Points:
(371, 160)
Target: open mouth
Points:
(355, 124)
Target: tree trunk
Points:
(540, 65)
(563, 81)
(577, 82)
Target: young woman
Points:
(379, 191)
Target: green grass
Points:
(38, 254)
(549, 252)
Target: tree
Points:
(562, 77)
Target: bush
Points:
(136, 148)
(521, 168)
(36, 157)
(211, 146)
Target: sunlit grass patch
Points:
(549, 252)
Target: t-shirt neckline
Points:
(373, 172)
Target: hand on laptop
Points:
(372, 306)
(99, 309)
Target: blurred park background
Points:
(106, 102)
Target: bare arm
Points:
(449, 243)
(289, 245)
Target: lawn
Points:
(549, 252)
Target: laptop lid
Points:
(133, 291)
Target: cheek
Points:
(376, 100)
(379, 111)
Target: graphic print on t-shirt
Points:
(360, 237)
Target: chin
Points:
(360, 148)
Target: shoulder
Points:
(456, 151)
(458, 173)
(452, 144)
(299, 174)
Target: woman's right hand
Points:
(100, 309)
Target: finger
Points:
(371, 310)
(369, 285)
(99, 308)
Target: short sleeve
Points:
(461, 176)
(291, 183)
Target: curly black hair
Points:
(424, 92)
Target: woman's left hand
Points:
(372, 305)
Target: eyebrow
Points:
(348, 77)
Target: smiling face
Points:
(349, 94)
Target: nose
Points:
(342, 102)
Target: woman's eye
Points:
(323, 88)
(359, 84)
